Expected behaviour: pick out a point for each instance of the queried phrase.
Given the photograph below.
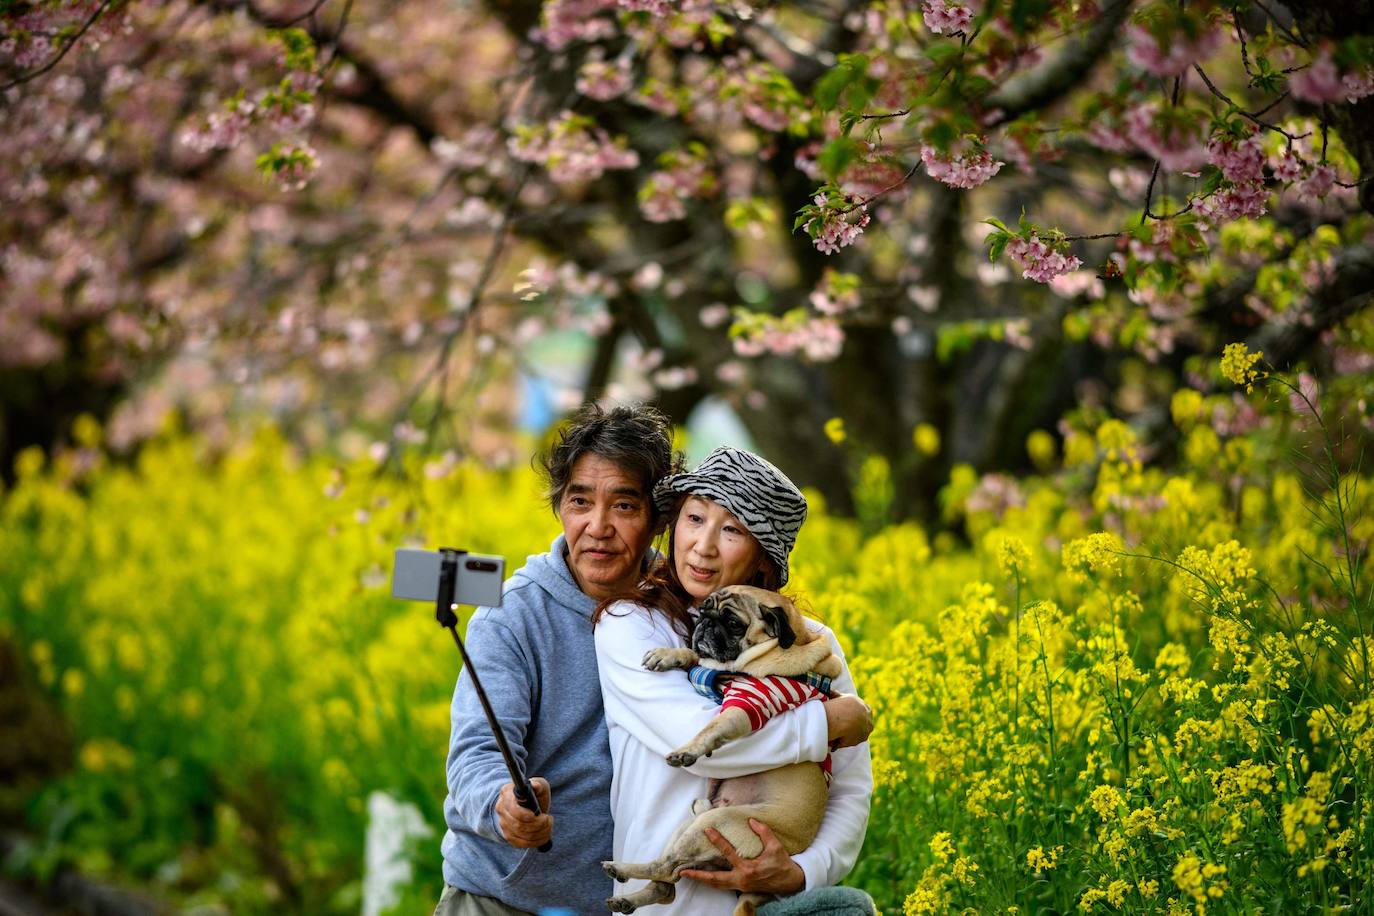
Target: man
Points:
(538, 664)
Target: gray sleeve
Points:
(475, 768)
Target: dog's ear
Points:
(775, 624)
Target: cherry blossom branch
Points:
(864, 202)
(337, 43)
(890, 114)
(441, 364)
(308, 14)
(1043, 85)
(57, 58)
(1100, 235)
(1274, 104)
(1240, 37)
(1280, 26)
(1221, 95)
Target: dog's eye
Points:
(734, 623)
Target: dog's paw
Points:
(613, 872)
(620, 905)
(668, 659)
(681, 759)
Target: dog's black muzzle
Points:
(711, 636)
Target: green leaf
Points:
(943, 52)
(837, 156)
(941, 135)
(829, 87)
(1213, 179)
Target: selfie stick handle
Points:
(443, 612)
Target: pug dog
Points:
(751, 631)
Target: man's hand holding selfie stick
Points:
(464, 578)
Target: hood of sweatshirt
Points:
(549, 572)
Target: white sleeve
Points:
(663, 711)
(836, 847)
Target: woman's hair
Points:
(661, 592)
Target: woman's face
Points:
(711, 549)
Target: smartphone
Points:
(415, 577)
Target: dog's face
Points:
(738, 617)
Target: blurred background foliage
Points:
(285, 285)
(1081, 662)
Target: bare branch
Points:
(71, 43)
(1047, 83)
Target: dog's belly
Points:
(790, 800)
(741, 790)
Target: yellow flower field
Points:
(1107, 688)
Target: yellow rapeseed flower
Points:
(834, 430)
(1106, 801)
(1238, 365)
(926, 439)
(1079, 450)
(1197, 879)
(1186, 406)
(1038, 860)
(1040, 448)
(1099, 553)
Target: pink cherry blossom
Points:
(1078, 283)
(567, 21)
(1246, 200)
(1318, 184)
(731, 372)
(1108, 136)
(654, 7)
(805, 161)
(1287, 167)
(943, 18)
(572, 149)
(749, 346)
(1039, 261)
(663, 197)
(1177, 146)
(831, 297)
(675, 377)
(1239, 161)
(1143, 51)
(604, 81)
(1320, 82)
(966, 166)
(838, 227)
(1358, 85)
(714, 315)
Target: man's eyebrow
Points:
(580, 488)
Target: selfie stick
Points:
(443, 612)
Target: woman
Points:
(731, 521)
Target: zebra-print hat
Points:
(754, 491)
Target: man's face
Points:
(607, 522)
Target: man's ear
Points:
(775, 624)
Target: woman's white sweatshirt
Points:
(649, 714)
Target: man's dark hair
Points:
(637, 439)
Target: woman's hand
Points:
(848, 719)
(523, 828)
(771, 872)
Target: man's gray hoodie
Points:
(537, 662)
